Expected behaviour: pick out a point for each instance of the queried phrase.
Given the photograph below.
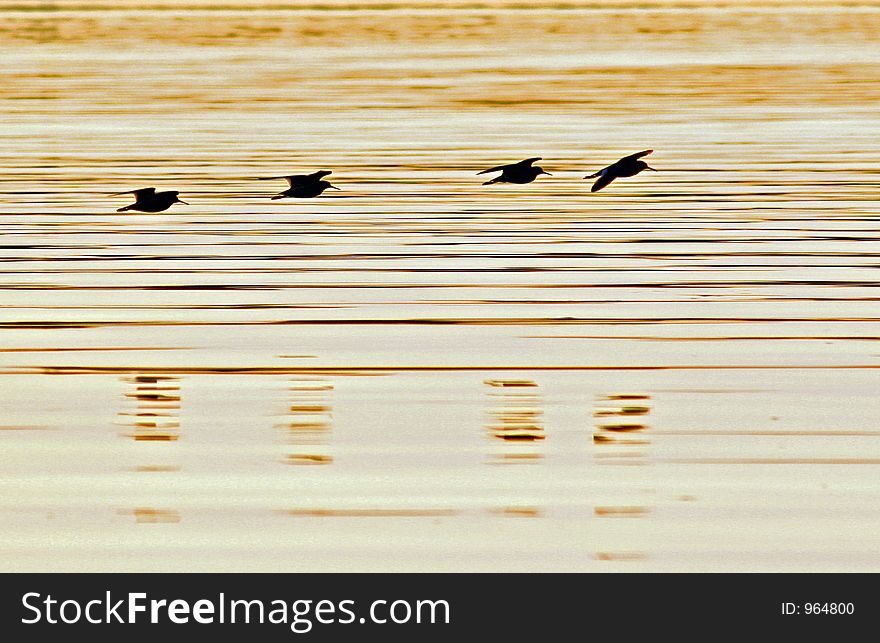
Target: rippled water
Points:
(419, 372)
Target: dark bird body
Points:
(303, 186)
(522, 172)
(627, 166)
(148, 200)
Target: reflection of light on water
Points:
(308, 422)
(621, 555)
(755, 245)
(621, 512)
(518, 512)
(516, 418)
(620, 421)
(157, 403)
(517, 414)
(151, 515)
(371, 513)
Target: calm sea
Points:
(419, 372)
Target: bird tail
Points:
(277, 196)
(593, 176)
(125, 209)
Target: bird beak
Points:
(653, 169)
(119, 193)
(179, 201)
(335, 188)
(547, 173)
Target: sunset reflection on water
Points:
(686, 361)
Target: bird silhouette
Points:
(148, 200)
(522, 172)
(303, 186)
(627, 166)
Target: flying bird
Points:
(627, 166)
(522, 172)
(148, 200)
(303, 186)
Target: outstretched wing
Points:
(293, 180)
(297, 180)
(138, 194)
(637, 155)
(501, 168)
(605, 177)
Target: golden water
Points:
(419, 372)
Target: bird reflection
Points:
(516, 417)
(620, 421)
(157, 400)
(308, 422)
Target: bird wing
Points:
(501, 168)
(293, 180)
(637, 155)
(605, 177)
(138, 194)
(298, 180)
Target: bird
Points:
(148, 200)
(627, 166)
(522, 172)
(303, 186)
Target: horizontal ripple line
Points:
(732, 338)
(383, 369)
(770, 433)
(268, 286)
(428, 321)
(774, 460)
(377, 256)
(372, 513)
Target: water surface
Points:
(419, 372)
